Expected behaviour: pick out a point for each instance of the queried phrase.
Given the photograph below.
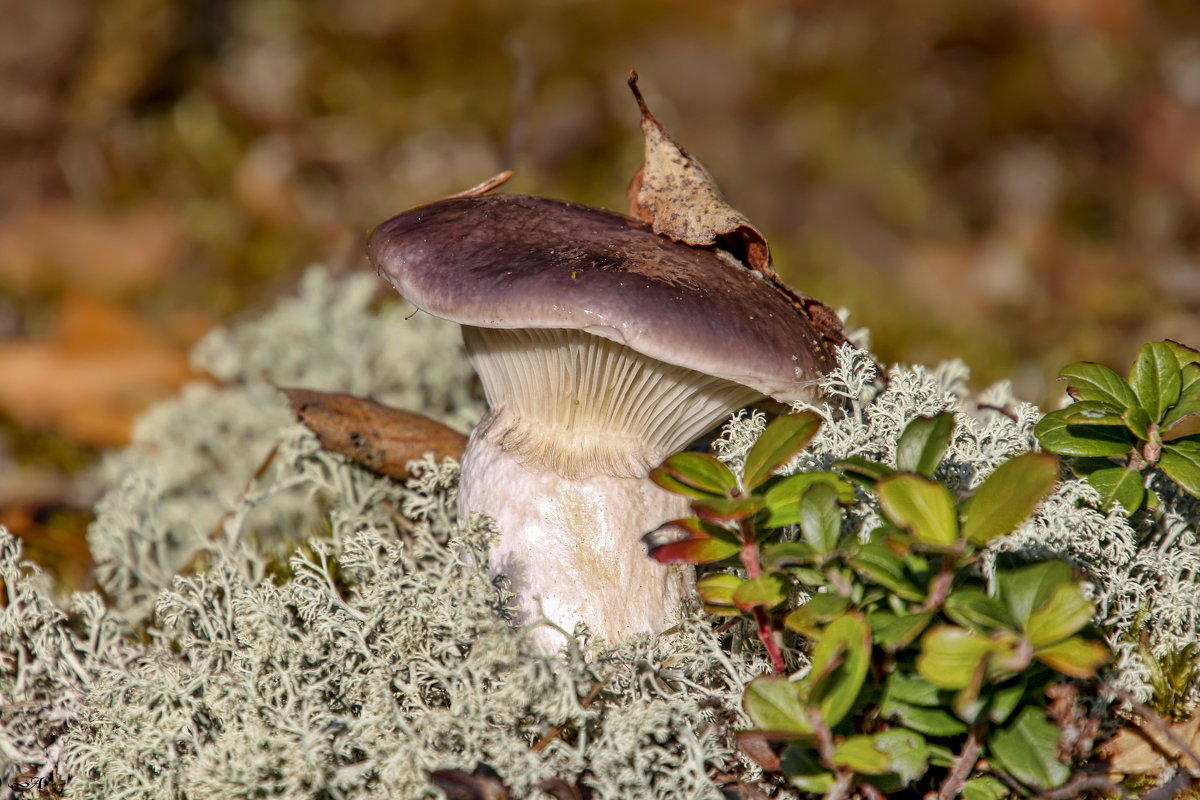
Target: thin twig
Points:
(556, 730)
(1081, 783)
(964, 762)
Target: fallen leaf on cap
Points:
(679, 198)
(379, 437)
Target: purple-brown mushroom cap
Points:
(515, 261)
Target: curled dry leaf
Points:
(677, 196)
(379, 437)
(1146, 750)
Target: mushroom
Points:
(602, 348)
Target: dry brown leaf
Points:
(494, 182)
(101, 368)
(54, 246)
(1146, 750)
(379, 437)
(679, 198)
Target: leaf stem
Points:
(964, 762)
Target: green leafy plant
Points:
(1118, 430)
(921, 675)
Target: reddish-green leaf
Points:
(821, 609)
(702, 471)
(704, 543)
(1184, 354)
(1155, 379)
(778, 555)
(1009, 495)
(920, 506)
(778, 444)
(924, 442)
(727, 509)
(1088, 381)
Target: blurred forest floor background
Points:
(1012, 182)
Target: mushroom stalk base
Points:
(572, 547)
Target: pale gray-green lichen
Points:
(320, 631)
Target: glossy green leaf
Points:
(1076, 657)
(923, 443)
(821, 518)
(895, 631)
(1009, 495)
(1181, 461)
(920, 506)
(974, 608)
(1056, 436)
(783, 496)
(1005, 700)
(778, 444)
(840, 660)
(718, 588)
(985, 788)
(727, 509)
(861, 754)
(802, 769)
(1027, 749)
(1137, 421)
(1088, 381)
(703, 472)
(1092, 412)
(1183, 353)
(778, 555)
(1121, 485)
(1066, 612)
(776, 704)
(910, 687)
(765, 591)
(877, 563)
(908, 752)
(950, 655)
(820, 610)
(863, 470)
(1189, 395)
(1155, 379)
(929, 721)
(1024, 589)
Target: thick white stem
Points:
(572, 547)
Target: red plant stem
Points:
(767, 634)
(750, 558)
